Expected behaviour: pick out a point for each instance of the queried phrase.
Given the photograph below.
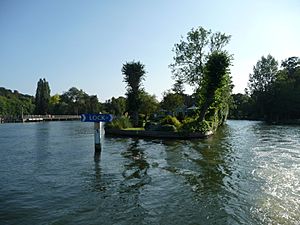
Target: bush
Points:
(193, 125)
(119, 123)
(170, 120)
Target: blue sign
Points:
(96, 118)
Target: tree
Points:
(291, 65)
(134, 74)
(76, 101)
(149, 104)
(54, 103)
(216, 77)
(42, 97)
(178, 87)
(191, 54)
(264, 74)
(241, 107)
(172, 101)
(115, 106)
(12, 104)
(261, 82)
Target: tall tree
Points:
(201, 61)
(264, 74)
(216, 76)
(42, 97)
(261, 82)
(134, 74)
(291, 65)
(191, 54)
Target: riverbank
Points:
(38, 118)
(157, 134)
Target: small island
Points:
(201, 62)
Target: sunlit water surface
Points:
(248, 173)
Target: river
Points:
(247, 173)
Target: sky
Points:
(84, 43)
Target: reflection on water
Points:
(248, 173)
(135, 171)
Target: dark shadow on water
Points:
(98, 185)
(213, 161)
(135, 171)
(203, 164)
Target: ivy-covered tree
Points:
(134, 74)
(201, 61)
(216, 88)
(42, 97)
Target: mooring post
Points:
(97, 134)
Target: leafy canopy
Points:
(192, 53)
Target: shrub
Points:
(193, 125)
(119, 123)
(170, 120)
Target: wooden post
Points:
(97, 136)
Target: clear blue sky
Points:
(84, 43)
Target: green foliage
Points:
(191, 54)
(178, 87)
(263, 76)
(150, 126)
(119, 123)
(241, 107)
(216, 89)
(170, 120)
(274, 95)
(76, 101)
(134, 74)
(201, 62)
(172, 101)
(195, 125)
(42, 97)
(149, 104)
(115, 106)
(13, 104)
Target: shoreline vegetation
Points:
(201, 62)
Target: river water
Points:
(248, 173)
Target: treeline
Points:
(273, 92)
(75, 102)
(13, 103)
